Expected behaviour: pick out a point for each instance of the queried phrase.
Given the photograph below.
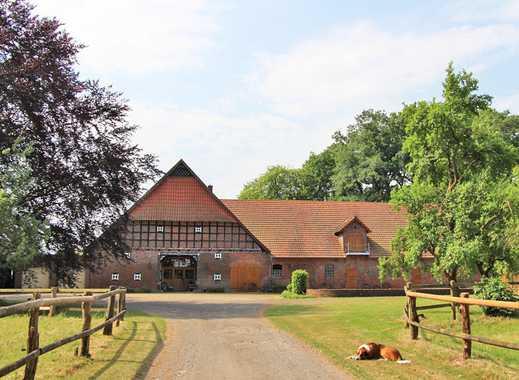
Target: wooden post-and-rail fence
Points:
(86, 300)
(412, 317)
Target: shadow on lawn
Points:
(287, 310)
(146, 363)
(118, 353)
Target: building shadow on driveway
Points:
(204, 311)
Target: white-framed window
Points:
(277, 270)
(218, 255)
(217, 276)
(198, 229)
(160, 228)
(137, 276)
(115, 276)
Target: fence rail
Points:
(50, 290)
(412, 317)
(33, 307)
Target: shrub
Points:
(298, 282)
(493, 288)
(291, 295)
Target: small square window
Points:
(115, 276)
(160, 228)
(217, 276)
(198, 229)
(277, 270)
(218, 255)
(137, 276)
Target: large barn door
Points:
(246, 276)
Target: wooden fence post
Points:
(87, 320)
(465, 320)
(119, 308)
(53, 309)
(33, 341)
(123, 303)
(454, 292)
(110, 313)
(412, 314)
(407, 287)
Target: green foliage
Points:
(364, 164)
(312, 181)
(463, 200)
(369, 158)
(22, 236)
(293, 296)
(278, 182)
(493, 288)
(316, 175)
(298, 282)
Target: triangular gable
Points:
(180, 195)
(350, 221)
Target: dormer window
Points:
(354, 235)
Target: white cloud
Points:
(136, 36)
(225, 150)
(484, 10)
(363, 66)
(508, 103)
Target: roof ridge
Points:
(302, 201)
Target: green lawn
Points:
(336, 326)
(125, 355)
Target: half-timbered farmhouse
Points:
(183, 237)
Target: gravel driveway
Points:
(223, 336)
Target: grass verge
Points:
(337, 326)
(125, 355)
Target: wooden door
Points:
(179, 273)
(246, 276)
(351, 278)
(356, 241)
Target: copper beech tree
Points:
(85, 168)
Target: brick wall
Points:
(239, 270)
(353, 272)
(144, 262)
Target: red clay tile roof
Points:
(349, 221)
(307, 228)
(180, 199)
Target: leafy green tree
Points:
(278, 182)
(369, 158)
(313, 181)
(462, 202)
(85, 167)
(316, 175)
(22, 236)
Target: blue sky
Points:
(236, 86)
